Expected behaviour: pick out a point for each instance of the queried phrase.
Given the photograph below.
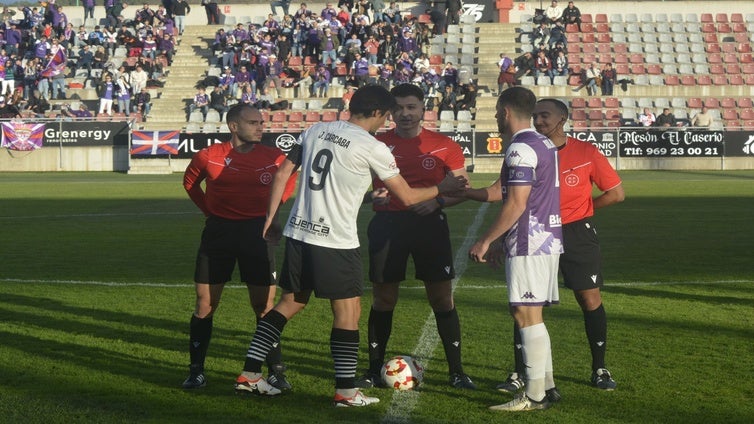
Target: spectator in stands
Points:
(100, 58)
(437, 17)
(647, 119)
(407, 43)
(507, 73)
(525, 65)
(13, 39)
(248, 96)
(572, 15)
(666, 119)
(179, 10)
(139, 78)
(145, 15)
(212, 11)
(167, 48)
(124, 94)
(449, 77)
(557, 35)
(360, 70)
(388, 51)
(329, 45)
(106, 91)
(559, 66)
(37, 104)
(543, 65)
(321, 84)
(227, 82)
(449, 99)
(453, 10)
(81, 37)
(149, 47)
(84, 61)
(143, 102)
(8, 110)
(114, 17)
(243, 78)
(469, 93)
(201, 102)
(702, 119)
(30, 78)
(88, 9)
(273, 69)
(110, 39)
(371, 49)
(540, 35)
(392, 13)
(609, 77)
(218, 101)
(283, 4)
(553, 13)
(589, 79)
(81, 112)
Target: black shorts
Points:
(393, 236)
(330, 273)
(225, 242)
(581, 264)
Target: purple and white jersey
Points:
(532, 160)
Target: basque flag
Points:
(149, 143)
(18, 136)
(56, 65)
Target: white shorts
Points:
(532, 280)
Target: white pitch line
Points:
(96, 215)
(403, 403)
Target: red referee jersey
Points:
(581, 165)
(423, 160)
(237, 184)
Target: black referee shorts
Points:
(226, 242)
(394, 236)
(581, 264)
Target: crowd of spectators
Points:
(359, 41)
(40, 50)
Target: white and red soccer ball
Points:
(402, 373)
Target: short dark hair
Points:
(407, 90)
(234, 113)
(520, 99)
(560, 105)
(369, 99)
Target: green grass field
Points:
(96, 295)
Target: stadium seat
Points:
(710, 38)
(743, 48)
(739, 28)
(720, 80)
(213, 116)
(728, 103)
(588, 37)
(736, 79)
(600, 18)
(464, 115)
(602, 28)
(689, 69)
(704, 80)
(622, 69)
(604, 38)
(637, 69)
(706, 18)
(279, 116)
(654, 69)
(578, 103)
(721, 18)
(688, 80)
(724, 29)
(746, 58)
(712, 103)
(594, 103)
(578, 115)
(732, 68)
(745, 102)
(714, 58)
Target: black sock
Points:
(275, 355)
(518, 352)
(449, 328)
(344, 347)
(379, 327)
(595, 323)
(265, 338)
(200, 333)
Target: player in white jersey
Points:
(337, 160)
(528, 231)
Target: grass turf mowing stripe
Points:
(403, 403)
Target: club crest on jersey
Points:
(228, 161)
(572, 180)
(265, 178)
(429, 163)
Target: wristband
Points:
(440, 201)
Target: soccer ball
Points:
(402, 373)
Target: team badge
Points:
(494, 143)
(285, 142)
(265, 178)
(429, 163)
(572, 180)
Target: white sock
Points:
(536, 350)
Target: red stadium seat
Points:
(435, 59)
(605, 58)
(612, 102)
(736, 79)
(721, 18)
(622, 68)
(739, 28)
(709, 28)
(730, 58)
(674, 79)
(573, 48)
(296, 63)
(311, 116)
(573, 37)
(574, 80)
(294, 126)
(733, 68)
(741, 37)
(748, 68)
(600, 18)
(579, 125)
(687, 80)
(576, 68)
(578, 103)
(706, 17)
(595, 115)
(329, 115)
(694, 103)
(572, 28)
(712, 103)
(588, 37)
(721, 80)
(578, 115)
(745, 102)
(714, 58)
(602, 29)
(716, 69)
(654, 69)
(704, 80)
(604, 48)
(638, 69)
(345, 115)
(586, 27)
(737, 17)
(728, 103)
(586, 18)
(749, 79)
(724, 28)
(710, 37)
(621, 58)
(748, 125)
(712, 48)
(743, 48)
(594, 103)
(732, 124)
(612, 114)
(620, 48)
(729, 47)
(295, 116)
(277, 126)
(636, 58)
(747, 114)
(424, 19)
(279, 116)
(589, 58)
(596, 123)
(430, 125)
(746, 58)
(430, 115)
(729, 114)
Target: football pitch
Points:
(96, 296)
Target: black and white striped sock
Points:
(344, 346)
(266, 337)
